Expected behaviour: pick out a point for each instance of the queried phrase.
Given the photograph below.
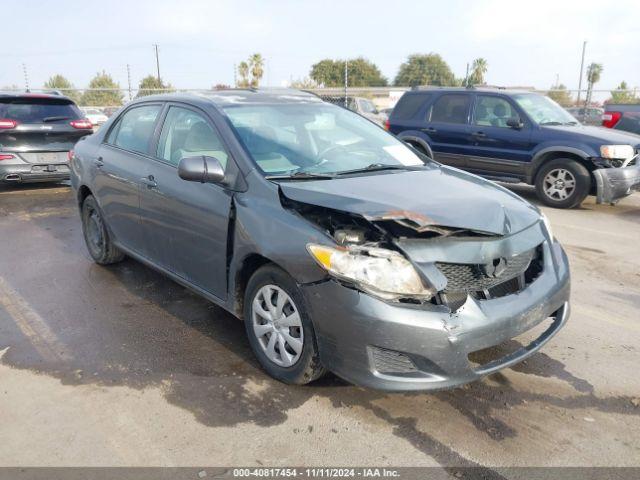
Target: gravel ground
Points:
(120, 366)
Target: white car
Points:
(95, 116)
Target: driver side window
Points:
(493, 111)
(186, 133)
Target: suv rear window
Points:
(451, 108)
(38, 110)
(408, 105)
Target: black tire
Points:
(562, 196)
(96, 234)
(307, 368)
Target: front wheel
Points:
(563, 183)
(279, 329)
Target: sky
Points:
(525, 44)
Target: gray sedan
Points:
(339, 247)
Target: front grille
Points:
(462, 277)
(390, 361)
(468, 279)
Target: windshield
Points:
(315, 139)
(543, 110)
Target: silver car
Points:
(340, 248)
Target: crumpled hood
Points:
(437, 195)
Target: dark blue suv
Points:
(518, 136)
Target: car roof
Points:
(50, 96)
(505, 91)
(224, 98)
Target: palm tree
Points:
(243, 71)
(479, 69)
(594, 71)
(257, 68)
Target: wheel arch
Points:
(415, 141)
(551, 153)
(83, 192)
(244, 271)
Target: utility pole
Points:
(26, 77)
(584, 47)
(235, 76)
(155, 45)
(346, 81)
(466, 77)
(557, 81)
(129, 80)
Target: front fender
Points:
(417, 137)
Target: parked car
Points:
(339, 246)
(518, 136)
(622, 117)
(587, 116)
(36, 133)
(363, 106)
(96, 116)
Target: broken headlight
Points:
(379, 271)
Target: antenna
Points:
(129, 80)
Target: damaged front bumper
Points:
(612, 184)
(399, 347)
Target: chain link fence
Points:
(372, 102)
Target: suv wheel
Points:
(563, 183)
(279, 329)
(96, 235)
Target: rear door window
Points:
(409, 105)
(32, 110)
(451, 108)
(134, 129)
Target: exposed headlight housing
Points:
(379, 271)
(620, 152)
(547, 225)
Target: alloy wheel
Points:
(559, 184)
(277, 326)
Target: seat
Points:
(201, 140)
(500, 111)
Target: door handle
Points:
(479, 134)
(98, 162)
(149, 181)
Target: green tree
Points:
(251, 71)
(622, 94)
(150, 85)
(594, 72)
(560, 95)
(360, 73)
(103, 91)
(305, 83)
(256, 63)
(59, 82)
(478, 71)
(429, 69)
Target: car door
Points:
(448, 128)
(120, 163)
(185, 224)
(498, 148)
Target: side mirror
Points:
(201, 169)
(515, 122)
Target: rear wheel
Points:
(279, 329)
(563, 183)
(96, 234)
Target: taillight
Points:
(70, 155)
(7, 123)
(609, 119)
(6, 156)
(81, 124)
(387, 125)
